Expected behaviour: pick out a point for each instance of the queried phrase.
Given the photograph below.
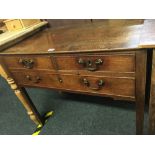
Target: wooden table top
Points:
(89, 37)
(147, 38)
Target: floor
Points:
(73, 114)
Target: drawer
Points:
(101, 85)
(92, 63)
(28, 62)
(102, 62)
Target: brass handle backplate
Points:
(99, 84)
(35, 79)
(27, 63)
(90, 65)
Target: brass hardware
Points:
(60, 80)
(90, 65)
(36, 79)
(100, 84)
(80, 61)
(86, 82)
(27, 63)
(28, 77)
(98, 62)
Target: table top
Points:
(88, 37)
(147, 38)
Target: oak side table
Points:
(95, 59)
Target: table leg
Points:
(152, 98)
(141, 58)
(23, 97)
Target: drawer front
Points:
(112, 63)
(91, 63)
(13, 25)
(28, 62)
(91, 84)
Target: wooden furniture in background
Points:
(10, 38)
(2, 26)
(102, 59)
(18, 24)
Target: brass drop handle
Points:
(27, 63)
(86, 82)
(98, 62)
(37, 79)
(100, 84)
(28, 77)
(34, 80)
(81, 61)
(90, 65)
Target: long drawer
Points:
(75, 62)
(102, 85)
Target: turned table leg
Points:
(141, 59)
(23, 97)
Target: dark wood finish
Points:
(152, 99)
(113, 62)
(96, 37)
(110, 62)
(55, 23)
(113, 86)
(39, 62)
(52, 61)
(120, 22)
(140, 89)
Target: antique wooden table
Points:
(110, 60)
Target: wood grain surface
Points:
(56, 52)
(147, 36)
(86, 37)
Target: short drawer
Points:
(28, 62)
(102, 85)
(92, 63)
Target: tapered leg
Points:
(141, 58)
(23, 97)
